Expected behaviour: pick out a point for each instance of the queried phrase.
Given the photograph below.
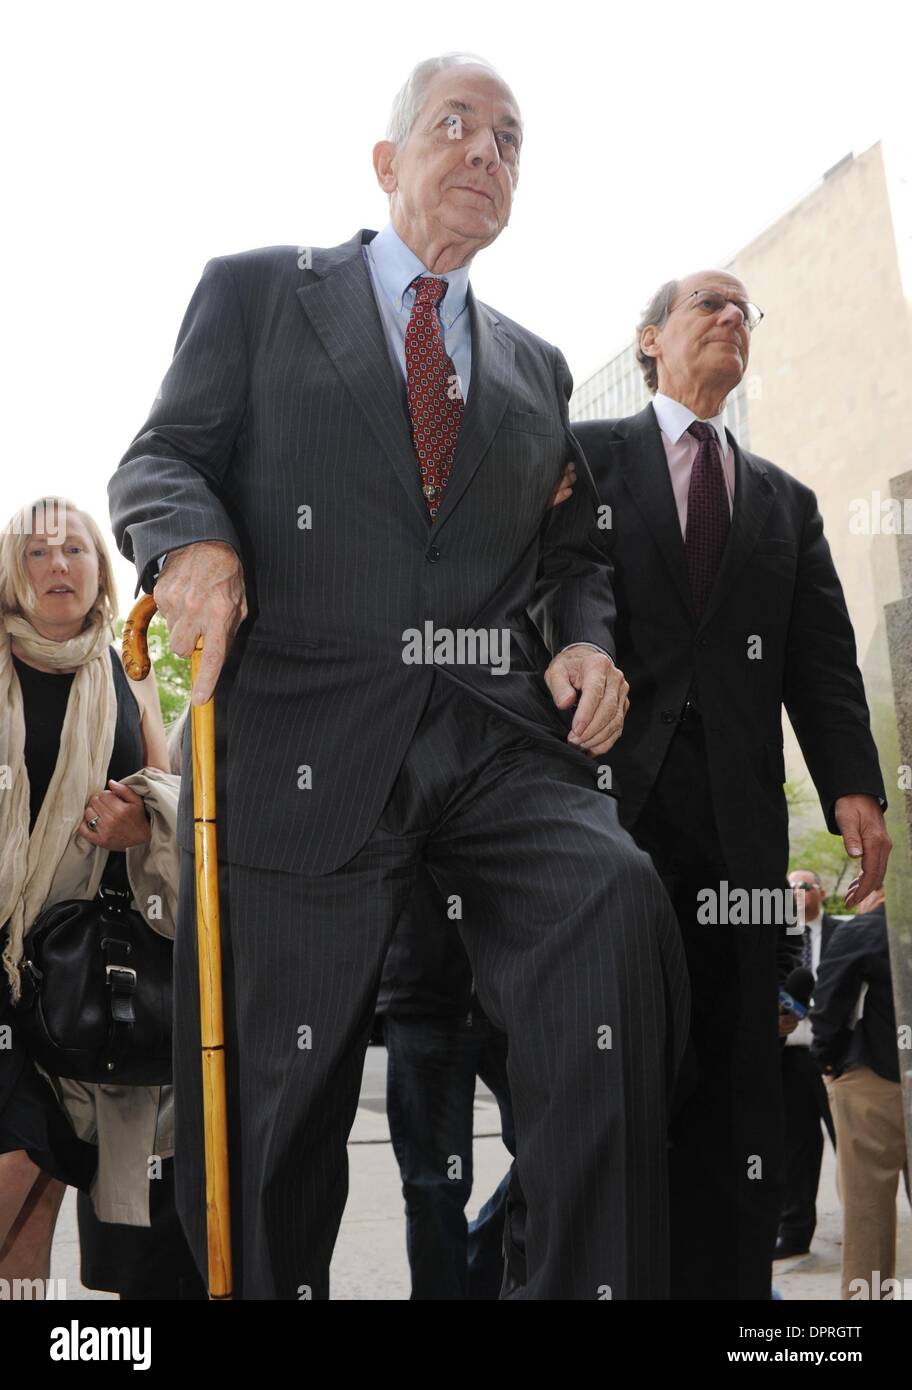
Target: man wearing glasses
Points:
(729, 607)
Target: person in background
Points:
(142, 1263)
(855, 1045)
(73, 730)
(438, 1039)
(729, 609)
(804, 1094)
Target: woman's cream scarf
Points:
(28, 863)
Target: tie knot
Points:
(429, 289)
(700, 430)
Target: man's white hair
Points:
(410, 97)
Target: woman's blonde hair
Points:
(46, 516)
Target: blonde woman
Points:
(83, 762)
(142, 1262)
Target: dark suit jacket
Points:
(827, 927)
(858, 954)
(282, 394)
(776, 582)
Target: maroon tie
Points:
(708, 518)
(434, 399)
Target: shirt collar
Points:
(674, 420)
(396, 266)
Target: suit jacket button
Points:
(668, 716)
(432, 554)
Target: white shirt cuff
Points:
(593, 645)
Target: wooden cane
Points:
(212, 1038)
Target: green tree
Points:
(172, 673)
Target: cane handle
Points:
(135, 644)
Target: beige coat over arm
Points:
(132, 1125)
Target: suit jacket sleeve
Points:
(574, 598)
(165, 493)
(823, 690)
(839, 981)
(788, 952)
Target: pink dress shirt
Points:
(681, 450)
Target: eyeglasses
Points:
(711, 302)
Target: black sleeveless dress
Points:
(31, 1117)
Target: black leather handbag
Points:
(96, 989)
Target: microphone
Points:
(795, 994)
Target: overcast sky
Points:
(144, 139)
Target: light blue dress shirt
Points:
(392, 268)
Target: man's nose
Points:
(482, 148)
(731, 314)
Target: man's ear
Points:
(648, 341)
(384, 158)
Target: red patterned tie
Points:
(708, 518)
(434, 400)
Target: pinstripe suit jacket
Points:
(282, 395)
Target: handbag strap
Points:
(115, 874)
(120, 976)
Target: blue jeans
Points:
(432, 1063)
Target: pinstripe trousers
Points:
(577, 957)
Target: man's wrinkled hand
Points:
(583, 674)
(200, 593)
(564, 486)
(864, 833)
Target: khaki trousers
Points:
(870, 1155)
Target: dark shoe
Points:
(514, 1240)
(787, 1247)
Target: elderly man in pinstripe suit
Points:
(349, 467)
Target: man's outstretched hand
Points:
(583, 673)
(200, 592)
(864, 833)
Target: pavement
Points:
(370, 1261)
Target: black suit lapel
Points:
(753, 498)
(644, 468)
(339, 302)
